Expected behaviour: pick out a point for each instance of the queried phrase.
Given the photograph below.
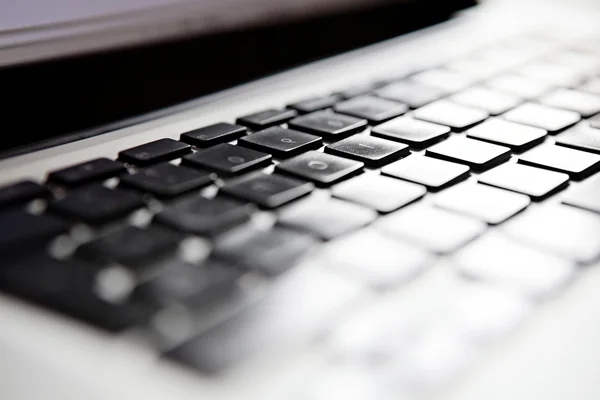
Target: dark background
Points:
(53, 102)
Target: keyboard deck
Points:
(489, 162)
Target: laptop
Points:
(416, 218)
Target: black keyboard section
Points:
(316, 103)
(213, 134)
(373, 109)
(19, 231)
(280, 142)
(269, 191)
(167, 180)
(155, 152)
(228, 159)
(21, 192)
(266, 119)
(330, 126)
(90, 171)
(320, 168)
(372, 151)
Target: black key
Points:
(580, 138)
(586, 195)
(268, 191)
(270, 252)
(329, 125)
(516, 136)
(415, 133)
(20, 230)
(202, 216)
(228, 159)
(534, 182)
(433, 173)
(453, 115)
(414, 94)
(315, 104)
(21, 192)
(492, 101)
(371, 108)
(155, 152)
(584, 104)
(90, 171)
(321, 168)
(374, 152)
(551, 119)
(167, 180)
(279, 142)
(577, 164)
(477, 155)
(267, 118)
(213, 134)
(379, 192)
(132, 246)
(326, 218)
(97, 204)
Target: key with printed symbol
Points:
(329, 125)
(228, 159)
(280, 142)
(323, 169)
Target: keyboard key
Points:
(202, 216)
(477, 155)
(413, 94)
(534, 182)
(584, 104)
(328, 125)
(372, 151)
(279, 142)
(516, 136)
(20, 230)
(494, 102)
(555, 74)
(267, 118)
(544, 117)
(485, 203)
(357, 90)
(371, 108)
(520, 86)
(592, 86)
(97, 204)
(316, 103)
(155, 152)
(270, 252)
(577, 164)
(595, 122)
(559, 229)
(90, 171)
(453, 115)
(228, 159)
(586, 195)
(167, 180)
(499, 260)
(213, 134)
(21, 192)
(433, 173)
(431, 228)
(323, 169)
(375, 259)
(379, 192)
(582, 62)
(132, 246)
(268, 191)
(580, 137)
(444, 79)
(325, 217)
(415, 133)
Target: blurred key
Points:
(586, 195)
(581, 138)
(325, 217)
(372, 151)
(329, 125)
(494, 102)
(213, 134)
(559, 229)
(316, 103)
(19, 231)
(518, 85)
(497, 259)
(447, 80)
(555, 74)
(504, 133)
(268, 191)
(592, 86)
(282, 143)
(267, 118)
(415, 133)
(534, 182)
(432, 228)
(544, 117)
(577, 164)
(584, 104)
(476, 154)
(433, 173)
(595, 122)
(583, 62)
(90, 171)
(323, 169)
(379, 192)
(371, 108)
(228, 159)
(453, 115)
(155, 152)
(21, 192)
(167, 180)
(485, 203)
(413, 94)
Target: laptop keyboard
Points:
(471, 160)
